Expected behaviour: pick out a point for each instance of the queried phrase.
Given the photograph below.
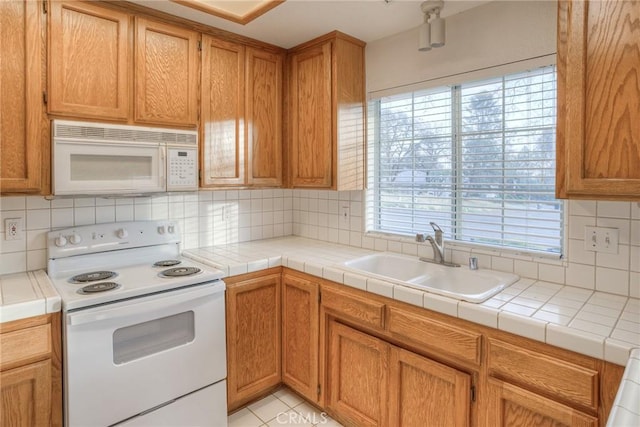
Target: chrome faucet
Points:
(437, 243)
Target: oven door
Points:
(107, 168)
(126, 358)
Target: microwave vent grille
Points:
(94, 132)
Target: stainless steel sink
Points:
(461, 283)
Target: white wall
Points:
(492, 34)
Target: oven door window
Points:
(147, 338)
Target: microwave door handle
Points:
(163, 168)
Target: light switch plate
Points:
(601, 239)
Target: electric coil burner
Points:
(167, 263)
(98, 287)
(180, 272)
(94, 276)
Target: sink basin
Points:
(456, 282)
(388, 266)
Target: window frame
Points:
(373, 200)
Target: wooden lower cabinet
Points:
(26, 395)
(300, 335)
(368, 360)
(357, 375)
(513, 406)
(253, 337)
(424, 392)
(30, 372)
(373, 383)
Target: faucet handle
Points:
(420, 237)
(435, 227)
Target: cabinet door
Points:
(166, 64)
(264, 118)
(300, 336)
(89, 61)
(424, 392)
(513, 406)
(21, 158)
(357, 375)
(599, 99)
(26, 395)
(222, 119)
(253, 338)
(311, 117)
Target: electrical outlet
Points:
(344, 216)
(13, 229)
(601, 239)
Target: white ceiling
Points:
(297, 21)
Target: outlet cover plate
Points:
(13, 229)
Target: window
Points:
(478, 159)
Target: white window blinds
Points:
(477, 158)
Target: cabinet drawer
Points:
(24, 345)
(364, 311)
(443, 338)
(546, 375)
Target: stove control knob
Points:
(75, 239)
(161, 229)
(60, 241)
(171, 229)
(122, 233)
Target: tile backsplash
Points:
(317, 214)
(206, 218)
(227, 216)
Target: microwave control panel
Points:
(182, 169)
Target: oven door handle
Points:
(140, 307)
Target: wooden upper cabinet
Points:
(311, 145)
(264, 117)
(223, 153)
(89, 61)
(167, 70)
(326, 113)
(598, 137)
(22, 158)
(241, 97)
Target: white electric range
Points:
(143, 327)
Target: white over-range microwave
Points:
(102, 159)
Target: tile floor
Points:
(282, 407)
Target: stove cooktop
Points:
(104, 263)
(130, 281)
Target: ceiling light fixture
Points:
(432, 32)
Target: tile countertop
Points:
(597, 324)
(27, 294)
